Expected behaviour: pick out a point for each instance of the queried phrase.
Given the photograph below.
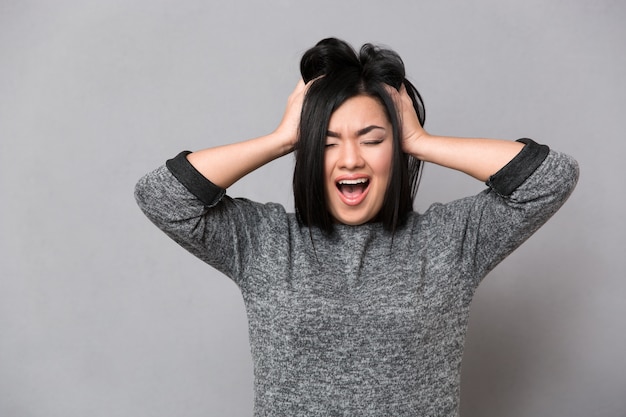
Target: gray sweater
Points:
(359, 322)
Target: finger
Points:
(315, 79)
(392, 91)
(300, 86)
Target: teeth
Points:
(353, 182)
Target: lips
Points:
(353, 190)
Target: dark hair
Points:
(339, 74)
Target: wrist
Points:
(283, 142)
(416, 145)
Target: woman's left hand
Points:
(412, 130)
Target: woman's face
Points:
(357, 161)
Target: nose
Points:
(350, 156)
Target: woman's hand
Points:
(412, 130)
(289, 125)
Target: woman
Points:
(357, 306)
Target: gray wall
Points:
(102, 315)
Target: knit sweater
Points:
(359, 322)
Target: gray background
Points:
(102, 315)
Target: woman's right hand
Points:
(289, 125)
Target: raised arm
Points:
(225, 165)
(182, 196)
(478, 157)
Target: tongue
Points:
(352, 191)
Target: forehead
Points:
(358, 112)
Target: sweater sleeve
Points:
(521, 197)
(221, 231)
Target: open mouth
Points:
(353, 189)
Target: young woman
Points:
(357, 306)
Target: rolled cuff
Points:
(197, 184)
(513, 174)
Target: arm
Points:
(480, 158)
(185, 197)
(225, 165)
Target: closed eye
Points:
(373, 142)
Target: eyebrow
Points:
(360, 132)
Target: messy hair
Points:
(339, 73)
